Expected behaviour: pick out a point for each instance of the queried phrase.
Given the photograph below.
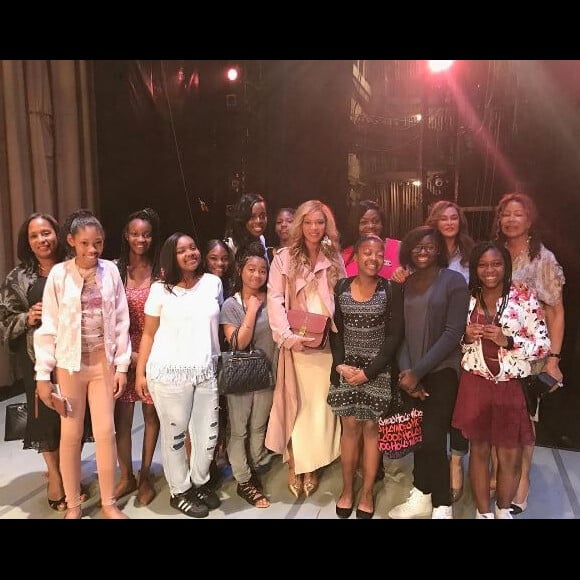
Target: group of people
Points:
(434, 318)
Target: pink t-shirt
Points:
(391, 259)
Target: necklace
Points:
(522, 252)
(489, 318)
(44, 269)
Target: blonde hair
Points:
(329, 245)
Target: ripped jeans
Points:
(182, 408)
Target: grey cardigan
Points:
(447, 317)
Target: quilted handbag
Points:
(242, 371)
(15, 425)
(316, 326)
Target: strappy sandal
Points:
(252, 495)
(58, 505)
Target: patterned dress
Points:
(136, 298)
(364, 333)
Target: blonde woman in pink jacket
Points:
(302, 426)
(84, 343)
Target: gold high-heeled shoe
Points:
(310, 485)
(296, 486)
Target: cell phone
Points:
(61, 404)
(546, 382)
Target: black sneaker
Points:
(189, 505)
(204, 494)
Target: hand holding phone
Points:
(60, 403)
(546, 382)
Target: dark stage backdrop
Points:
(177, 136)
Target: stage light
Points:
(232, 74)
(438, 66)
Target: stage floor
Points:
(555, 491)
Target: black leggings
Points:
(431, 464)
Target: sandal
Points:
(253, 495)
(58, 505)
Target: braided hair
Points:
(475, 286)
(150, 216)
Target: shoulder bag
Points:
(243, 371)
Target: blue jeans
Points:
(181, 408)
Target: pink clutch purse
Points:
(315, 326)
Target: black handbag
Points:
(15, 424)
(242, 371)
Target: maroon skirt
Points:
(496, 413)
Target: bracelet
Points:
(555, 355)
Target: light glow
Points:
(233, 74)
(438, 66)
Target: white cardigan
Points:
(57, 342)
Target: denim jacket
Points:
(58, 340)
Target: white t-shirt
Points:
(186, 345)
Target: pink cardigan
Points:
(280, 298)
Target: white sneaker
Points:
(418, 505)
(486, 516)
(442, 512)
(503, 513)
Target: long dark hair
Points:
(227, 278)
(530, 207)
(252, 250)
(475, 286)
(150, 216)
(239, 217)
(23, 249)
(172, 273)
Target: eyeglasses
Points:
(427, 249)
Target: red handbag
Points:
(316, 326)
